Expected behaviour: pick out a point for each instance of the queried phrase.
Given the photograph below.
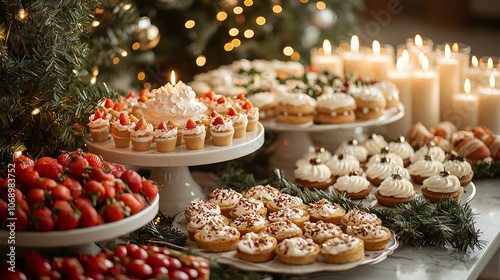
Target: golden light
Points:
(95, 72)
(238, 10)
(454, 48)
(295, 56)
(425, 63)
(420, 57)
(116, 60)
(233, 31)
(93, 80)
(95, 23)
(400, 64)
(354, 43)
(304, 1)
(147, 85)
(127, 7)
(320, 5)
(475, 62)
(236, 42)
(260, 20)
(228, 47)
(248, 3)
(406, 57)
(201, 60)
(288, 51)
(172, 77)
(447, 51)
(123, 53)
(492, 81)
(376, 47)
(277, 9)
(35, 111)
(136, 46)
(141, 76)
(467, 85)
(21, 14)
(98, 11)
(490, 63)
(189, 24)
(327, 47)
(418, 41)
(75, 72)
(221, 16)
(248, 33)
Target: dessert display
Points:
(256, 248)
(441, 185)
(375, 237)
(226, 199)
(356, 217)
(295, 215)
(215, 237)
(263, 193)
(320, 231)
(395, 190)
(198, 221)
(343, 164)
(458, 166)
(282, 230)
(297, 251)
(251, 222)
(335, 108)
(353, 186)
(285, 201)
(343, 249)
(246, 206)
(313, 174)
(324, 210)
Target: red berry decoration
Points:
(190, 124)
(162, 126)
(42, 220)
(131, 95)
(241, 96)
(108, 104)
(142, 124)
(232, 112)
(218, 121)
(117, 106)
(247, 106)
(221, 100)
(124, 119)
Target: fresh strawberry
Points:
(49, 167)
(63, 160)
(100, 175)
(38, 265)
(98, 115)
(4, 208)
(232, 112)
(7, 194)
(66, 220)
(241, 96)
(22, 162)
(221, 100)
(61, 205)
(89, 217)
(114, 212)
(124, 119)
(36, 197)
(27, 178)
(78, 168)
(149, 190)
(214, 114)
(23, 204)
(141, 200)
(46, 184)
(131, 95)
(94, 160)
(143, 98)
(247, 106)
(133, 180)
(131, 202)
(22, 221)
(142, 124)
(119, 186)
(209, 95)
(162, 126)
(76, 153)
(95, 191)
(108, 103)
(73, 185)
(218, 121)
(117, 107)
(61, 192)
(109, 187)
(190, 124)
(145, 92)
(42, 220)
(71, 268)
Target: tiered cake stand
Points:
(294, 141)
(171, 170)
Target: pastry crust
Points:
(391, 201)
(370, 115)
(354, 254)
(315, 185)
(324, 115)
(465, 180)
(299, 260)
(262, 256)
(375, 181)
(418, 179)
(375, 244)
(435, 197)
(217, 245)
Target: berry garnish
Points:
(248, 105)
(142, 124)
(145, 92)
(98, 115)
(124, 119)
(232, 112)
(210, 95)
(162, 126)
(131, 95)
(190, 124)
(143, 98)
(214, 114)
(221, 100)
(315, 161)
(218, 121)
(117, 106)
(241, 96)
(108, 104)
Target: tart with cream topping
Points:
(282, 230)
(343, 164)
(375, 237)
(385, 152)
(319, 231)
(402, 148)
(196, 207)
(458, 166)
(263, 193)
(395, 190)
(377, 172)
(319, 153)
(343, 249)
(198, 221)
(374, 144)
(251, 222)
(353, 186)
(193, 135)
(225, 198)
(165, 137)
(356, 217)
(324, 210)
(246, 206)
(217, 238)
(296, 215)
(313, 174)
(256, 248)
(297, 251)
(239, 121)
(284, 201)
(430, 149)
(142, 136)
(353, 147)
(442, 185)
(424, 168)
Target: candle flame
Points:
(454, 48)
(406, 57)
(400, 64)
(376, 47)
(420, 57)
(475, 62)
(354, 43)
(418, 41)
(490, 63)
(172, 77)
(425, 63)
(467, 85)
(447, 51)
(492, 81)
(327, 47)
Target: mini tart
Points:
(319, 153)
(356, 217)
(424, 168)
(440, 186)
(297, 251)
(460, 167)
(252, 222)
(257, 248)
(402, 148)
(343, 249)
(324, 210)
(353, 147)
(353, 186)
(217, 238)
(226, 199)
(319, 231)
(263, 193)
(246, 206)
(282, 230)
(375, 237)
(296, 215)
(284, 201)
(198, 221)
(196, 207)
(343, 164)
(377, 172)
(436, 152)
(374, 144)
(313, 174)
(385, 152)
(395, 190)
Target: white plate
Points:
(83, 235)
(275, 266)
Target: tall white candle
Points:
(419, 46)
(489, 106)
(462, 53)
(465, 108)
(448, 82)
(402, 79)
(425, 92)
(474, 73)
(327, 59)
(378, 63)
(354, 60)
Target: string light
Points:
(18, 154)
(21, 13)
(295, 56)
(221, 16)
(190, 24)
(35, 111)
(93, 80)
(321, 5)
(236, 43)
(136, 46)
(238, 10)
(123, 53)
(127, 7)
(248, 3)
(260, 20)
(288, 51)
(233, 31)
(95, 23)
(201, 60)
(228, 47)
(116, 60)
(141, 76)
(248, 33)
(277, 9)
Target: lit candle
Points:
(354, 60)
(474, 73)
(378, 63)
(488, 68)
(402, 79)
(465, 108)
(419, 45)
(489, 106)
(448, 81)
(172, 77)
(324, 59)
(425, 92)
(462, 53)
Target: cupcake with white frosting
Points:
(320, 231)
(297, 251)
(343, 164)
(402, 148)
(424, 168)
(313, 174)
(217, 238)
(375, 237)
(226, 199)
(251, 222)
(353, 186)
(142, 136)
(335, 108)
(256, 248)
(99, 125)
(460, 167)
(442, 185)
(324, 210)
(246, 206)
(395, 190)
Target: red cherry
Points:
(108, 104)
(124, 119)
(162, 126)
(190, 124)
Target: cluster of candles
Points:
(436, 83)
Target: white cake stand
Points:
(171, 170)
(294, 141)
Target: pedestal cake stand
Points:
(171, 170)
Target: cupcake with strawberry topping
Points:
(142, 136)
(222, 131)
(226, 199)
(194, 135)
(222, 105)
(240, 122)
(99, 126)
(121, 131)
(252, 115)
(165, 137)
(246, 206)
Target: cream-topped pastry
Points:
(353, 186)
(343, 248)
(256, 248)
(402, 148)
(217, 238)
(358, 217)
(377, 172)
(142, 136)
(342, 164)
(251, 222)
(424, 168)
(335, 108)
(319, 152)
(324, 210)
(442, 185)
(320, 231)
(385, 152)
(121, 131)
(436, 152)
(353, 147)
(375, 237)
(196, 207)
(370, 102)
(175, 103)
(284, 201)
(197, 222)
(282, 230)
(264, 193)
(266, 102)
(225, 198)
(390, 92)
(296, 215)
(193, 134)
(239, 121)
(246, 206)
(296, 108)
(99, 125)
(222, 131)
(252, 113)
(460, 167)
(395, 190)
(165, 137)
(313, 174)
(374, 144)
(297, 251)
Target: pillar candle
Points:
(402, 79)
(448, 81)
(378, 63)
(465, 108)
(354, 60)
(462, 53)
(425, 92)
(489, 106)
(419, 46)
(474, 73)
(324, 59)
